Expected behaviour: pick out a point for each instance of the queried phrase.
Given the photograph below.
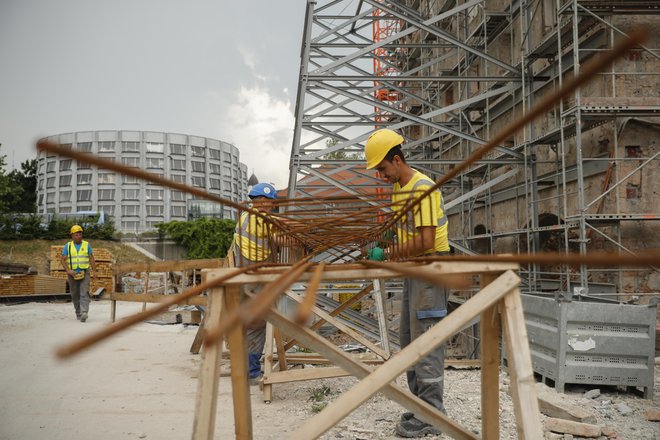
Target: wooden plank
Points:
(523, 385)
(155, 298)
(199, 337)
(382, 317)
(239, 369)
(304, 374)
(281, 354)
(268, 362)
(555, 405)
(341, 326)
(408, 356)
(209, 376)
(316, 359)
(360, 370)
(169, 266)
(459, 267)
(489, 328)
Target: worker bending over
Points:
(254, 242)
(423, 231)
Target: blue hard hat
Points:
(263, 190)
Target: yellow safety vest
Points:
(252, 236)
(78, 259)
(430, 212)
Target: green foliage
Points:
(318, 397)
(339, 154)
(203, 237)
(18, 188)
(28, 227)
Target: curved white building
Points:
(64, 186)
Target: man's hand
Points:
(93, 274)
(70, 272)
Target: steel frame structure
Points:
(457, 70)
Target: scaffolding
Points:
(456, 73)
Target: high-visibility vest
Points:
(252, 236)
(406, 227)
(78, 259)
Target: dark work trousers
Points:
(256, 333)
(424, 305)
(79, 293)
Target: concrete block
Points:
(573, 428)
(553, 405)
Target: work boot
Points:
(406, 416)
(413, 428)
(83, 317)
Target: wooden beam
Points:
(358, 274)
(304, 374)
(523, 385)
(341, 326)
(381, 313)
(155, 298)
(281, 354)
(239, 368)
(268, 362)
(360, 370)
(209, 376)
(411, 354)
(168, 266)
(489, 328)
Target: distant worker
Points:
(76, 259)
(254, 243)
(420, 232)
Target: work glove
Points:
(376, 254)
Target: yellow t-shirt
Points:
(429, 212)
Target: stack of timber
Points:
(104, 265)
(16, 269)
(31, 285)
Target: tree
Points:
(203, 238)
(339, 154)
(18, 188)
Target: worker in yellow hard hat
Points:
(77, 258)
(422, 230)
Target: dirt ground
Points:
(142, 385)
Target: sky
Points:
(221, 69)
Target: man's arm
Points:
(65, 265)
(422, 242)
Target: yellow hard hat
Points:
(379, 144)
(75, 228)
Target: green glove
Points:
(376, 254)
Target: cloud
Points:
(261, 126)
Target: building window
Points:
(178, 178)
(65, 165)
(130, 210)
(198, 166)
(198, 181)
(131, 161)
(178, 211)
(177, 149)
(106, 194)
(85, 147)
(67, 146)
(152, 224)
(50, 182)
(50, 167)
(129, 179)
(130, 226)
(198, 151)
(155, 162)
(226, 157)
(84, 195)
(65, 210)
(50, 198)
(215, 168)
(108, 209)
(178, 196)
(214, 183)
(154, 147)
(107, 178)
(84, 179)
(130, 194)
(106, 146)
(40, 185)
(179, 164)
(154, 194)
(65, 196)
(155, 210)
(215, 154)
(65, 180)
(130, 146)
(83, 166)
(41, 199)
